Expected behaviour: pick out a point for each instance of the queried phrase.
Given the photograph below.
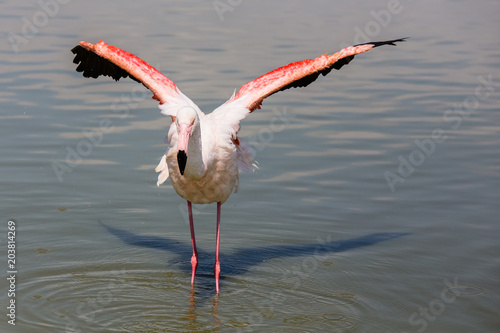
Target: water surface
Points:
(374, 209)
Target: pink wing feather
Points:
(103, 59)
(298, 74)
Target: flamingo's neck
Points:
(195, 167)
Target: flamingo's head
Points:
(185, 120)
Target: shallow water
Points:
(317, 239)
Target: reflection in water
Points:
(215, 308)
(191, 314)
(243, 259)
(194, 316)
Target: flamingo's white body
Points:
(204, 153)
(211, 171)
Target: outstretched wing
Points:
(298, 74)
(103, 59)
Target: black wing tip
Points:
(305, 81)
(76, 49)
(92, 65)
(386, 42)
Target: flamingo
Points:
(205, 154)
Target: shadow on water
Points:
(242, 260)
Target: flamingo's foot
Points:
(194, 265)
(217, 273)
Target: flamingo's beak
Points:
(184, 131)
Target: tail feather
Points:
(162, 168)
(245, 157)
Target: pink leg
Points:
(217, 262)
(194, 258)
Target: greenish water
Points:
(374, 208)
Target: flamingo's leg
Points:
(217, 262)
(194, 258)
